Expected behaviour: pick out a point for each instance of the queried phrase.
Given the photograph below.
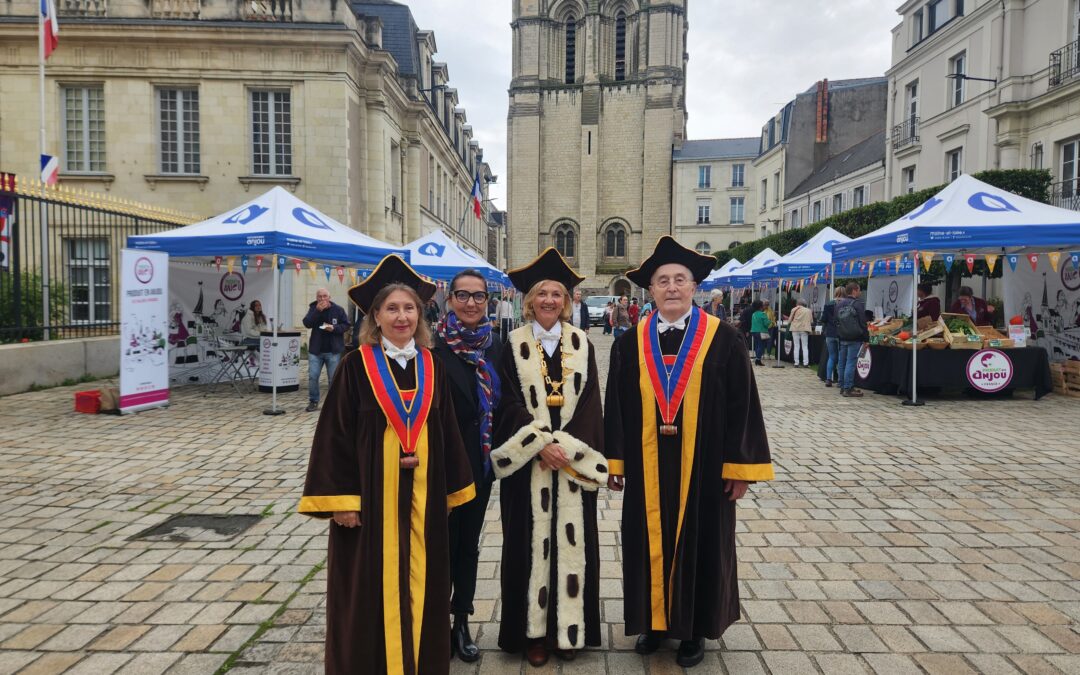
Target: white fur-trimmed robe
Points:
(526, 426)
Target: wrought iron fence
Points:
(906, 133)
(1064, 64)
(79, 258)
(1066, 194)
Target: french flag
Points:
(50, 27)
(50, 169)
(477, 196)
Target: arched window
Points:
(571, 49)
(615, 242)
(566, 240)
(703, 248)
(620, 46)
(734, 244)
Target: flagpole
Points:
(42, 205)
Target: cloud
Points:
(747, 59)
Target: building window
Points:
(1070, 167)
(954, 164)
(776, 188)
(615, 242)
(937, 14)
(431, 184)
(703, 248)
(957, 66)
(738, 208)
(958, 8)
(796, 218)
(84, 129)
(178, 122)
(1037, 155)
(858, 197)
(571, 49)
(917, 27)
(620, 46)
(734, 244)
(738, 175)
(838, 203)
(89, 280)
(911, 108)
(815, 214)
(271, 133)
(395, 178)
(565, 240)
(704, 215)
(764, 193)
(704, 176)
(909, 179)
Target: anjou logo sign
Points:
(989, 370)
(144, 270)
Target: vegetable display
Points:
(960, 327)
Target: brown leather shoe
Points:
(536, 654)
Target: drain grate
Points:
(195, 527)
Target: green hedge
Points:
(1030, 183)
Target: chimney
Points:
(822, 120)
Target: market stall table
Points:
(816, 348)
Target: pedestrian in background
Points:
(800, 323)
(328, 323)
(832, 342)
(620, 317)
(579, 313)
(609, 311)
(759, 328)
(716, 304)
(852, 331)
(635, 312)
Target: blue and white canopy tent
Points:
(742, 276)
(274, 223)
(966, 217)
(439, 257)
(712, 281)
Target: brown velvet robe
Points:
(347, 459)
(703, 594)
(515, 501)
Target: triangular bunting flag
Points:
(991, 261)
(326, 271)
(1075, 258)
(970, 261)
(279, 260)
(1012, 260)
(927, 259)
(341, 275)
(229, 263)
(949, 258)
(258, 263)
(311, 268)
(217, 261)
(296, 264)
(1055, 257)
(1033, 258)
(244, 263)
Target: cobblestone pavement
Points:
(942, 540)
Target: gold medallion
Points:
(410, 462)
(668, 429)
(555, 400)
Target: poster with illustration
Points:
(1048, 301)
(892, 294)
(206, 305)
(815, 296)
(144, 372)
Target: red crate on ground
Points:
(88, 402)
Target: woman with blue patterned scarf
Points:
(466, 346)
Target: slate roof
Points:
(859, 156)
(718, 148)
(845, 84)
(398, 32)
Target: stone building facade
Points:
(597, 102)
(199, 105)
(714, 194)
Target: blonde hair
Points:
(838, 293)
(371, 334)
(526, 304)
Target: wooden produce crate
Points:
(1065, 377)
(992, 337)
(961, 340)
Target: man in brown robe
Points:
(387, 596)
(682, 414)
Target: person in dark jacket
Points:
(579, 313)
(832, 342)
(981, 313)
(328, 323)
(469, 351)
(745, 317)
(849, 349)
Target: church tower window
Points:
(571, 49)
(620, 46)
(615, 242)
(565, 240)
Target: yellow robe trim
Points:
(320, 503)
(615, 467)
(417, 582)
(651, 469)
(751, 472)
(462, 496)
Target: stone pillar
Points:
(410, 186)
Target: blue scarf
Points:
(472, 346)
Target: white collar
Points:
(548, 338)
(400, 354)
(660, 321)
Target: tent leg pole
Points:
(778, 336)
(274, 409)
(914, 400)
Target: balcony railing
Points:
(83, 7)
(175, 9)
(1064, 64)
(267, 10)
(906, 133)
(1066, 194)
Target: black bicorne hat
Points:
(669, 251)
(548, 266)
(390, 270)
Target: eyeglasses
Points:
(463, 296)
(678, 282)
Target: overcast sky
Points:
(747, 59)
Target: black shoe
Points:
(312, 406)
(828, 383)
(647, 643)
(757, 362)
(691, 653)
(461, 642)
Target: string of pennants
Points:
(354, 275)
(860, 268)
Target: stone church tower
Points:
(597, 102)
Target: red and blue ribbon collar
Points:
(670, 374)
(406, 412)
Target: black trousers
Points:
(466, 522)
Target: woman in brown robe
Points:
(549, 444)
(387, 464)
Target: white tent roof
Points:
(439, 257)
(741, 276)
(812, 257)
